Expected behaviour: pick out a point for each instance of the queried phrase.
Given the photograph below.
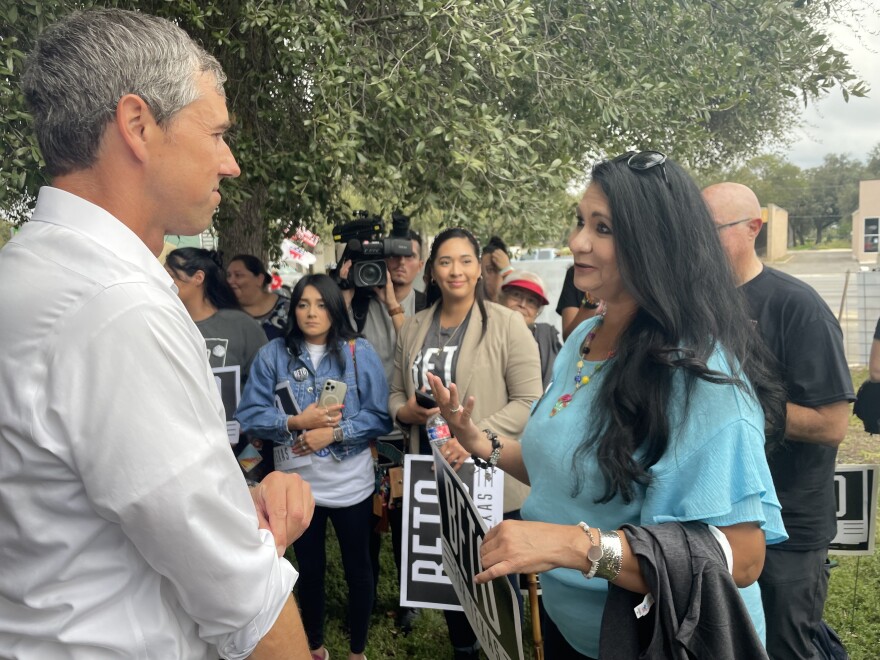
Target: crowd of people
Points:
(681, 442)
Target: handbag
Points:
(867, 406)
(388, 466)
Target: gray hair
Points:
(82, 65)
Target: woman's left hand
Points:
(311, 441)
(518, 546)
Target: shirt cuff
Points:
(239, 645)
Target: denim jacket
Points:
(364, 417)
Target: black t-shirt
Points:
(570, 296)
(806, 339)
(877, 330)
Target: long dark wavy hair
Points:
(672, 263)
(190, 260)
(340, 325)
(432, 291)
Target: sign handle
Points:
(538, 640)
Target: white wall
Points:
(552, 271)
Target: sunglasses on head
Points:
(642, 161)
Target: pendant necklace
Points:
(580, 379)
(444, 344)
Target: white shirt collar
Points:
(59, 207)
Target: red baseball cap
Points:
(523, 279)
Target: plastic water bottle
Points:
(438, 430)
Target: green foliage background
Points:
(484, 111)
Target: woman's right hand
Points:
(412, 413)
(316, 417)
(458, 416)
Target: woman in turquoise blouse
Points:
(656, 413)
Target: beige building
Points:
(772, 243)
(866, 223)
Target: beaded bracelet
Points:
(594, 554)
(494, 456)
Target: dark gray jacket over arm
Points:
(697, 611)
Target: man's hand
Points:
(284, 506)
(386, 293)
(347, 294)
(500, 259)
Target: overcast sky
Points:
(835, 126)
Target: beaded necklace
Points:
(579, 379)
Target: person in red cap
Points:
(524, 292)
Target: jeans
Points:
(352, 526)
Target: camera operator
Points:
(378, 314)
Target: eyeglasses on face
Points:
(735, 222)
(642, 161)
(523, 297)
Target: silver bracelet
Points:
(594, 554)
(337, 435)
(612, 556)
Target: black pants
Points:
(793, 590)
(395, 524)
(352, 527)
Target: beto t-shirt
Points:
(439, 356)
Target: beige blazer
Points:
(502, 370)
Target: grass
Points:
(854, 590)
(834, 243)
(853, 593)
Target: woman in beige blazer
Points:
(486, 349)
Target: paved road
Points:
(837, 277)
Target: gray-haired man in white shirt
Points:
(126, 530)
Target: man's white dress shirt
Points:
(126, 528)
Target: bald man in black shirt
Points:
(807, 341)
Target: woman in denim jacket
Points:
(327, 445)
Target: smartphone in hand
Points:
(425, 400)
(333, 393)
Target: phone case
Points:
(425, 400)
(333, 393)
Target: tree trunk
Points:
(818, 236)
(245, 233)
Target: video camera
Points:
(367, 248)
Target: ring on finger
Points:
(456, 409)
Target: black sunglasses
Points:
(642, 161)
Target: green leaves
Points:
(480, 113)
